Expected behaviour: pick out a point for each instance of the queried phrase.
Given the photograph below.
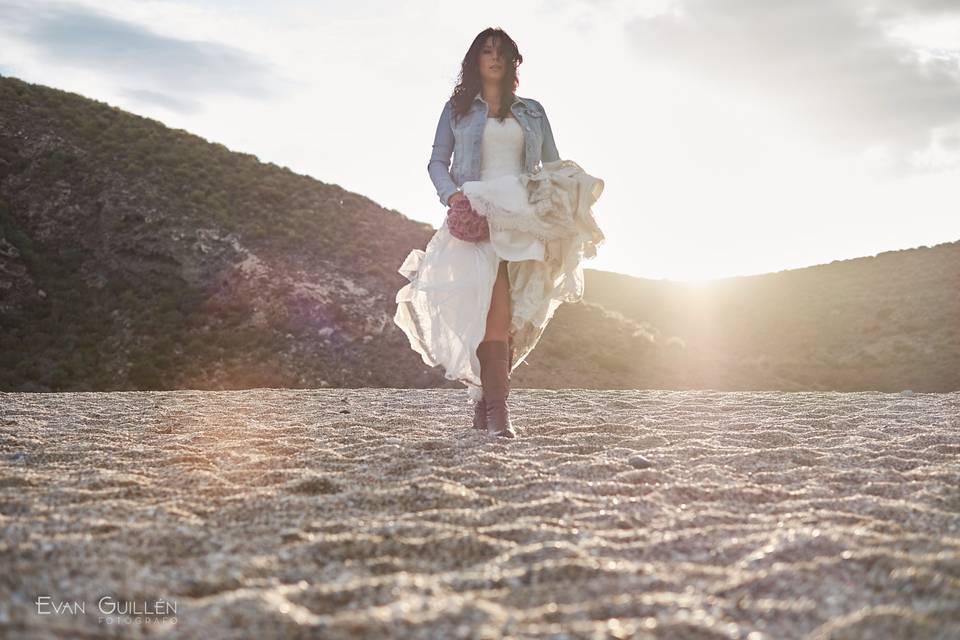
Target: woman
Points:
(482, 306)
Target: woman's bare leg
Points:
(498, 318)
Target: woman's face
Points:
(492, 62)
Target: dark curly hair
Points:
(469, 82)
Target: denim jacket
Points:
(462, 139)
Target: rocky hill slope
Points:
(135, 256)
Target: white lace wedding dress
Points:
(443, 309)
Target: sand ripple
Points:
(340, 513)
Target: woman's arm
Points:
(548, 153)
(439, 165)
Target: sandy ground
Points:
(347, 513)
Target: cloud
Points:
(935, 8)
(830, 65)
(168, 102)
(164, 70)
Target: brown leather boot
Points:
(480, 414)
(480, 406)
(494, 356)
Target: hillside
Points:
(136, 256)
(887, 322)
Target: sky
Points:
(734, 137)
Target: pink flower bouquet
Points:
(464, 223)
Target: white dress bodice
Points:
(501, 149)
(500, 188)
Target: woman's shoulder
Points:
(532, 103)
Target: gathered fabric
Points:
(557, 208)
(562, 195)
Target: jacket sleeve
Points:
(439, 165)
(548, 153)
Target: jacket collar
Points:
(479, 97)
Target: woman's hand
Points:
(453, 198)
